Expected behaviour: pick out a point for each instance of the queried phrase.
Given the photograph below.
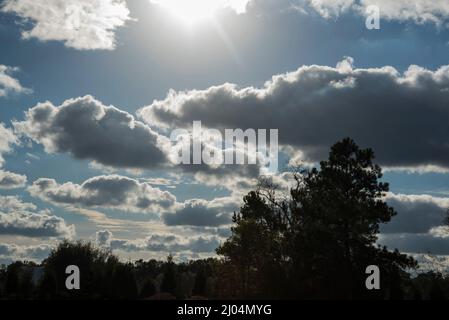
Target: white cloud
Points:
(11, 180)
(9, 84)
(7, 140)
(113, 191)
(80, 24)
(331, 8)
(130, 195)
(167, 243)
(14, 252)
(14, 203)
(417, 11)
(30, 224)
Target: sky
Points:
(91, 90)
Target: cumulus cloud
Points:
(14, 203)
(14, 252)
(419, 226)
(198, 212)
(417, 11)
(416, 213)
(87, 129)
(315, 106)
(7, 140)
(331, 8)
(29, 224)
(80, 24)
(113, 139)
(9, 84)
(168, 243)
(11, 180)
(416, 243)
(127, 194)
(113, 191)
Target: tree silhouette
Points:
(148, 289)
(199, 288)
(12, 279)
(169, 282)
(102, 274)
(318, 240)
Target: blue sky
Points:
(150, 49)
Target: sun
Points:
(192, 11)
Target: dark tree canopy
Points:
(102, 274)
(317, 241)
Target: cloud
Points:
(331, 8)
(198, 212)
(7, 140)
(103, 238)
(29, 224)
(315, 106)
(10, 180)
(419, 226)
(417, 11)
(239, 6)
(87, 129)
(416, 213)
(113, 191)
(416, 243)
(168, 243)
(112, 139)
(127, 194)
(13, 252)
(80, 24)
(9, 84)
(14, 203)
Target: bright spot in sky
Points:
(192, 11)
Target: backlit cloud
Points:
(80, 24)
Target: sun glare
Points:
(192, 11)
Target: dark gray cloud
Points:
(403, 117)
(419, 226)
(112, 191)
(416, 213)
(87, 129)
(112, 139)
(11, 180)
(34, 225)
(416, 243)
(202, 213)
